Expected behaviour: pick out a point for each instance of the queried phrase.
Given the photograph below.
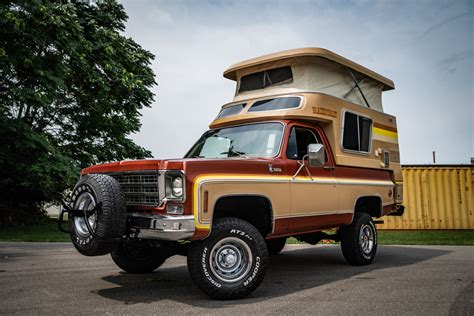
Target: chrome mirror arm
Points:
(302, 164)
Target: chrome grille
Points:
(139, 188)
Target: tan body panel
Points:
(277, 192)
(350, 193)
(309, 198)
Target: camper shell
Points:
(330, 88)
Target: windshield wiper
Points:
(233, 153)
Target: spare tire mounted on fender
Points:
(109, 222)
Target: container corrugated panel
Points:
(435, 197)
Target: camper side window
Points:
(357, 133)
(267, 78)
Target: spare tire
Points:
(108, 223)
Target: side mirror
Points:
(316, 155)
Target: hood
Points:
(187, 164)
(134, 165)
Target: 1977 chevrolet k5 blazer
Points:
(303, 148)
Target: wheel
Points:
(231, 263)
(359, 240)
(276, 245)
(138, 257)
(108, 222)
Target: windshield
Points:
(255, 140)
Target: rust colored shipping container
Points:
(435, 197)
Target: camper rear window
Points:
(267, 78)
(275, 104)
(231, 110)
(357, 132)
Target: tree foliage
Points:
(71, 88)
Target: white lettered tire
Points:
(109, 222)
(232, 262)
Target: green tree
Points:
(71, 88)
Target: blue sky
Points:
(425, 47)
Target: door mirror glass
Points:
(316, 155)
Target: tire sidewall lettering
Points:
(81, 241)
(254, 272)
(240, 233)
(205, 269)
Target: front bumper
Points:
(163, 227)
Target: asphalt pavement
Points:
(53, 278)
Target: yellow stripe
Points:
(385, 132)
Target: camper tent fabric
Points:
(317, 74)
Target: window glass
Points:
(356, 135)
(253, 140)
(350, 139)
(292, 148)
(298, 142)
(231, 110)
(251, 82)
(364, 132)
(275, 104)
(279, 75)
(267, 78)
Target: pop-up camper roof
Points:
(308, 70)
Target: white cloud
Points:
(425, 47)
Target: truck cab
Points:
(304, 147)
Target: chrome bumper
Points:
(164, 227)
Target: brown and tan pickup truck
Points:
(304, 148)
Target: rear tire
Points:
(108, 222)
(359, 240)
(276, 245)
(138, 257)
(232, 262)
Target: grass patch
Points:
(427, 237)
(47, 231)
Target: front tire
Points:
(231, 263)
(359, 240)
(138, 257)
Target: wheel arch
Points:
(248, 207)
(370, 204)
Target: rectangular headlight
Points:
(174, 186)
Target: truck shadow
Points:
(290, 272)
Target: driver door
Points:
(314, 195)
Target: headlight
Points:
(174, 186)
(177, 186)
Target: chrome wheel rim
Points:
(366, 238)
(85, 201)
(230, 259)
